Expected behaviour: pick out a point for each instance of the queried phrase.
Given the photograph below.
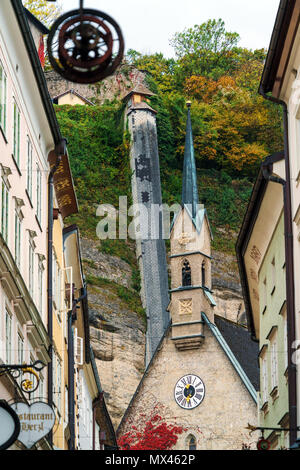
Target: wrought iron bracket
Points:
(261, 428)
(30, 384)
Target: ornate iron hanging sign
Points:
(36, 421)
(10, 426)
(27, 373)
(85, 45)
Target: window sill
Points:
(264, 310)
(265, 408)
(29, 199)
(38, 222)
(274, 393)
(3, 135)
(16, 165)
(273, 290)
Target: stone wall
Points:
(118, 85)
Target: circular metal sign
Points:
(9, 426)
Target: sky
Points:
(148, 25)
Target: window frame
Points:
(8, 336)
(16, 132)
(38, 193)
(3, 98)
(18, 236)
(29, 167)
(4, 210)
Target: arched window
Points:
(186, 274)
(191, 442)
(203, 274)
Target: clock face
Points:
(189, 391)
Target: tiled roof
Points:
(140, 90)
(243, 347)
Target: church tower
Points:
(190, 258)
(203, 378)
(146, 191)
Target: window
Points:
(4, 211)
(264, 380)
(203, 274)
(16, 134)
(56, 282)
(38, 193)
(186, 274)
(274, 363)
(264, 295)
(41, 387)
(8, 337)
(285, 339)
(29, 168)
(18, 223)
(20, 349)
(31, 267)
(57, 369)
(3, 92)
(41, 270)
(66, 405)
(273, 267)
(192, 443)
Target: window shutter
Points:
(265, 380)
(78, 348)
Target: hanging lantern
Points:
(263, 444)
(85, 45)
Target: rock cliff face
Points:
(227, 289)
(117, 332)
(117, 85)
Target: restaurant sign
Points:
(36, 421)
(9, 425)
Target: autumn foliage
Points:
(155, 434)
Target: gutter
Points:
(71, 387)
(289, 257)
(21, 17)
(284, 14)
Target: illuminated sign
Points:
(36, 421)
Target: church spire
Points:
(189, 183)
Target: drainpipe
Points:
(289, 260)
(71, 387)
(60, 150)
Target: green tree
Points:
(206, 49)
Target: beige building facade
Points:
(280, 85)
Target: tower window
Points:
(186, 274)
(192, 443)
(203, 274)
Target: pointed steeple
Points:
(189, 183)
